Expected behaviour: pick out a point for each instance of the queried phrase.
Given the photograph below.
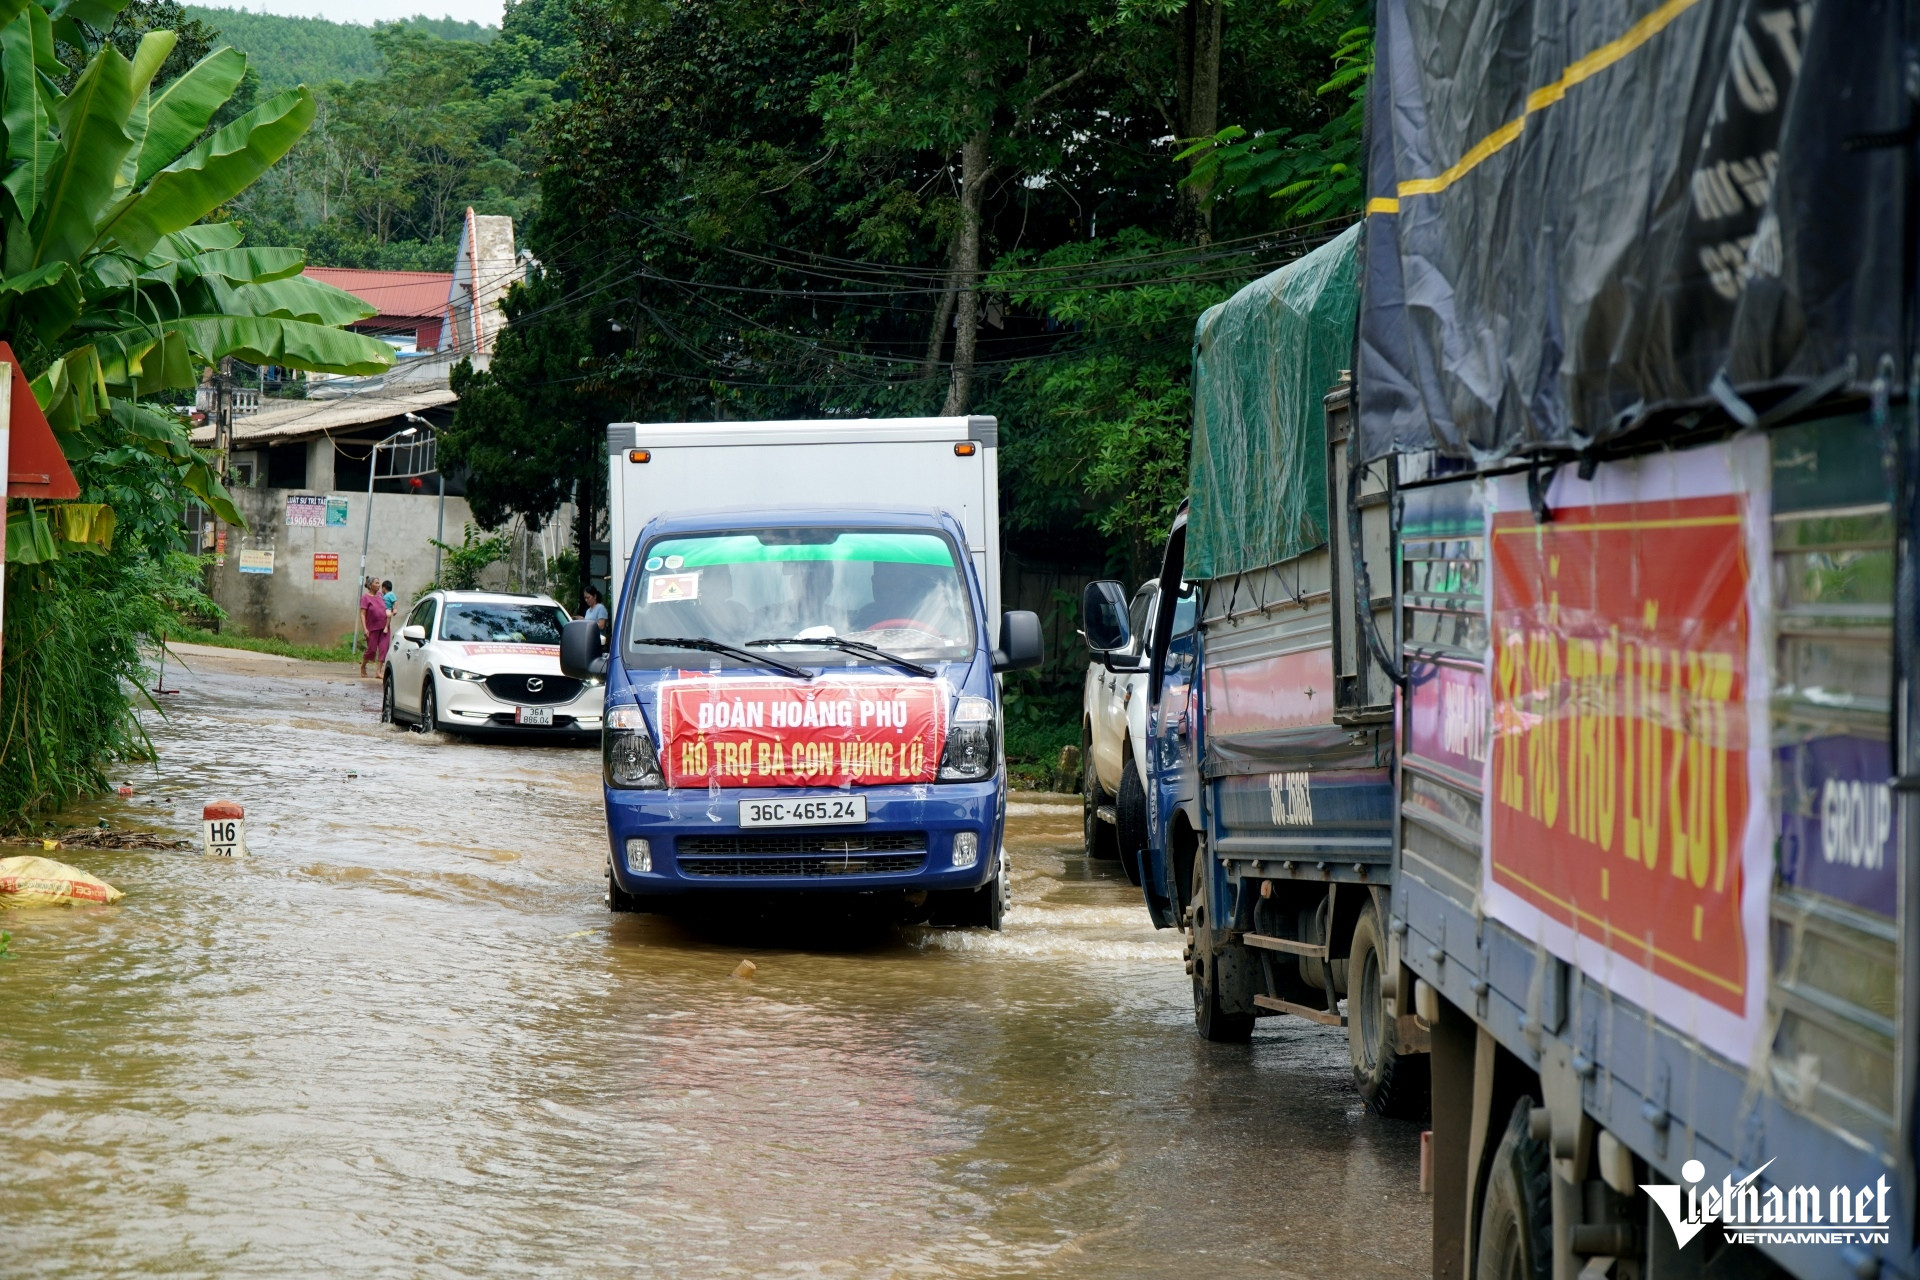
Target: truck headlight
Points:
(639, 855)
(966, 849)
(631, 760)
(459, 673)
(969, 753)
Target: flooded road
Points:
(406, 1038)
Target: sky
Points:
(368, 12)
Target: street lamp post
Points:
(366, 536)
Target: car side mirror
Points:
(1103, 611)
(1021, 643)
(415, 633)
(580, 654)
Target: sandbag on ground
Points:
(41, 882)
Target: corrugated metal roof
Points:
(397, 295)
(290, 420)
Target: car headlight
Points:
(969, 753)
(459, 673)
(592, 682)
(627, 746)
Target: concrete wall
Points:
(288, 603)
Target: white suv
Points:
(486, 660)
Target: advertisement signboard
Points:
(782, 733)
(1627, 823)
(326, 566)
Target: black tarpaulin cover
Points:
(1583, 214)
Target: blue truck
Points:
(1269, 835)
(803, 702)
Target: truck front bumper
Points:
(695, 844)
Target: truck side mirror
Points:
(1103, 611)
(1021, 644)
(580, 655)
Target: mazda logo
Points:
(535, 684)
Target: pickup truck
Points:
(803, 702)
(1113, 741)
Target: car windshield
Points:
(503, 623)
(898, 590)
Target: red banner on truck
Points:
(785, 733)
(1621, 793)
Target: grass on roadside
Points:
(345, 651)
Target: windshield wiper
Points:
(730, 650)
(858, 647)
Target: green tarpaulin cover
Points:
(1262, 362)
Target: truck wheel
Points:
(1130, 821)
(995, 896)
(1099, 835)
(1391, 1084)
(1516, 1218)
(618, 899)
(1209, 1019)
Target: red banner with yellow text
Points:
(1628, 718)
(750, 732)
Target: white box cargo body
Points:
(855, 463)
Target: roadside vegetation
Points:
(345, 651)
(117, 291)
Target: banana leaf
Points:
(292, 344)
(83, 526)
(29, 537)
(212, 173)
(93, 141)
(185, 107)
(24, 112)
(295, 298)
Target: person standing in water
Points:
(373, 612)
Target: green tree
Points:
(531, 429)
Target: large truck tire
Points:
(1130, 821)
(618, 899)
(1210, 972)
(1516, 1218)
(1392, 1084)
(1099, 836)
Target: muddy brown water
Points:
(406, 1038)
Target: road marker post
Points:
(224, 829)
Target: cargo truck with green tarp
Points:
(1271, 735)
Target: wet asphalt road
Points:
(406, 1038)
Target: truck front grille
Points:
(804, 842)
(819, 867)
(804, 854)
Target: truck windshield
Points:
(901, 591)
(503, 623)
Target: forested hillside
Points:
(396, 156)
(288, 51)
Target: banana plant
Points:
(112, 284)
